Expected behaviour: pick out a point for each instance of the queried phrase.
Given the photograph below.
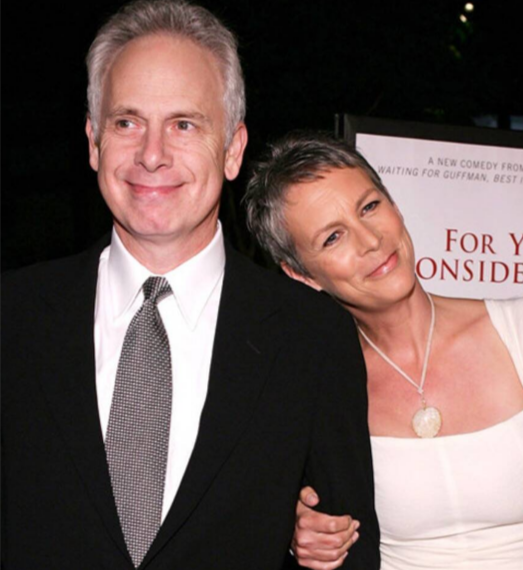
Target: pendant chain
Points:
(419, 387)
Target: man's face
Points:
(161, 155)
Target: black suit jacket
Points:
(286, 401)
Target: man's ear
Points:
(299, 277)
(94, 152)
(234, 152)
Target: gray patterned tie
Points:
(137, 437)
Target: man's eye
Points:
(124, 124)
(185, 125)
(370, 206)
(331, 239)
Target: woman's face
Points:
(351, 239)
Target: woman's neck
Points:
(400, 327)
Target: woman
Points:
(445, 376)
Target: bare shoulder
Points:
(459, 316)
(469, 332)
(472, 352)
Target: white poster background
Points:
(463, 206)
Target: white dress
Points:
(456, 502)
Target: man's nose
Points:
(154, 152)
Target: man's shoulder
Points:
(55, 276)
(38, 272)
(301, 301)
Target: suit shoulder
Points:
(30, 279)
(39, 271)
(301, 301)
(54, 276)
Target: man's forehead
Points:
(165, 49)
(160, 69)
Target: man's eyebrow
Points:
(122, 111)
(189, 115)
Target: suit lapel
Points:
(69, 385)
(242, 355)
(246, 342)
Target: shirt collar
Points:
(192, 282)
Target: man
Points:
(163, 398)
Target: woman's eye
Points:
(331, 239)
(370, 206)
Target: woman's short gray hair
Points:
(177, 18)
(298, 157)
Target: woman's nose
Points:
(368, 238)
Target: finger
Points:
(354, 536)
(322, 523)
(319, 555)
(320, 564)
(309, 497)
(311, 542)
(324, 555)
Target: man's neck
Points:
(160, 255)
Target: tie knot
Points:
(155, 288)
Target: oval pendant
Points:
(427, 422)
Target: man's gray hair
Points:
(298, 157)
(179, 19)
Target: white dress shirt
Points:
(189, 316)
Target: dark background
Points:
(303, 60)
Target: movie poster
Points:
(463, 205)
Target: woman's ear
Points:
(299, 277)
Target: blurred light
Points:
(469, 7)
(463, 18)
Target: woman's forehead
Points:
(333, 186)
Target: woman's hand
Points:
(320, 541)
